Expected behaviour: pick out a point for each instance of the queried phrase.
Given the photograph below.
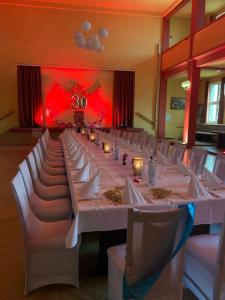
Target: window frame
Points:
(211, 103)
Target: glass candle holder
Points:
(106, 148)
(92, 136)
(82, 131)
(137, 166)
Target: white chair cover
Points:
(219, 167)
(178, 152)
(47, 261)
(43, 191)
(212, 181)
(197, 160)
(164, 147)
(204, 265)
(47, 211)
(150, 241)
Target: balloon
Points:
(97, 45)
(78, 35)
(103, 32)
(101, 49)
(81, 42)
(89, 44)
(86, 26)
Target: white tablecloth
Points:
(104, 215)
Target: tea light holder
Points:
(82, 131)
(92, 136)
(137, 164)
(106, 148)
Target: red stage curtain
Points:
(29, 94)
(123, 98)
(221, 107)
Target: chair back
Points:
(29, 222)
(219, 167)
(152, 237)
(43, 143)
(40, 151)
(219, 283)
(197, 160)
(178, 152)
(24, 169)
(37, 158)
(32, 167)
(164, 147)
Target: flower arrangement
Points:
(114, 194)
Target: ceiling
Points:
(140, 7)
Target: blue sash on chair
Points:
(139, 290)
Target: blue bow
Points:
(140, 289)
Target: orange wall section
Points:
(176, 54)
(209, 37)
(40, 36)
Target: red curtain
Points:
(123, 98)
(29, 94)
(221, 107)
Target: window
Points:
(213, 102)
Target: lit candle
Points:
(106, 148)
(137, 165)
(82, 131)
(92, 136)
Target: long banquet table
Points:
(104, 215)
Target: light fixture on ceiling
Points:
(186, 85)
(90, 40)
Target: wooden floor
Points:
(92, 287)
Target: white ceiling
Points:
(143, 7)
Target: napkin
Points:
(79, 162)
(83, 174)
(196, 189)
(91, 189)
(75, 154)
(212, 181)
(131, 194)
(161, 159)
(182, 168)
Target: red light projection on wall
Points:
(64, 89)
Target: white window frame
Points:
(216, 102)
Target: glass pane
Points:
(213, 113)
(214, 92)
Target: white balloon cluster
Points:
(93, 41)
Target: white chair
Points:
(151, 239)
(164, 147)
(54, 143)
(197, 160)
(152, 144)
(47, 211)
(45, 177)
(52, 167)
(52, 156)
(178, 152)
(204, 265)
(43, 191)
(59, 160)
(219, 167)
(47, 261)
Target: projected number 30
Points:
(78, 101)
